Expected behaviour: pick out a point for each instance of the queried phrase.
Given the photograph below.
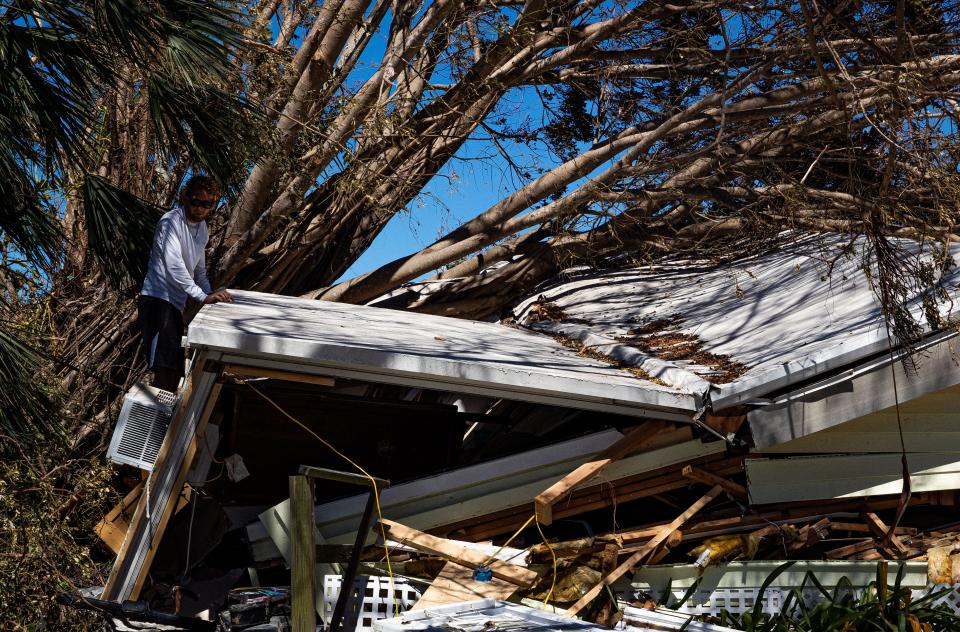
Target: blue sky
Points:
(467, 185)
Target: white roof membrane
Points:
(787, 315)
(393, 346)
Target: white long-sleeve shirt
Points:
(177, 268)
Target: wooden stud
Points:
(303, 554)
(634, 559)
(587, 499)
(649, 436)
(846, 551)
(856, 527)
(672, 540)
(454, 552)
(882, 531)
(342, 477)
(636, 535)
(287, 376)
(709, 478)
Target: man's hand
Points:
(220, 296)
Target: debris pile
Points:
(339, 465)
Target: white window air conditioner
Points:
(144, 418)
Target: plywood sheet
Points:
(455, 584)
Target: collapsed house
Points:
(631, 416)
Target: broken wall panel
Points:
(859, 391)
(844, 476)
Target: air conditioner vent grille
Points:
(142, 426)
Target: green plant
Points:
(879, 607)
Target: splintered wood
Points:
(634, 559)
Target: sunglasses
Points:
(201, 203)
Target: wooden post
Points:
(303, 555)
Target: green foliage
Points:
(880, 607)
(26, 408)
(61, 63)
(49, 504)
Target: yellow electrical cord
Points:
(553, 555)
(373, 481)
(553, 583)
(509, 540)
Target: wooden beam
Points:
(113, 528)
(857, 527)
(709, 478)
(588, 498)
(629, 537)
(882, 531)
(846, 551)
(303, 588)
(649, 436)
(287, 376)
(455, 584)
(453, 552)
(673, 539)
(342, 477)
(634, 559)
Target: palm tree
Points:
(62, 62)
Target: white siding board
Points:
(845, 476)
(817, 408)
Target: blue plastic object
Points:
(482, 574)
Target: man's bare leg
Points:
(166, 379)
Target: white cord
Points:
(193, 509)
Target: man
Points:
(176, 271)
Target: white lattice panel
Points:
(740, 600)
(951, 598)
(373, 600)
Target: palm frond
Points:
(25, 408)
(47, 86)
(193, 39)
(120, 229)
(26, 220)
(210, 122)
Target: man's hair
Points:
(199, 183)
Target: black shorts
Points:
(162, 327)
